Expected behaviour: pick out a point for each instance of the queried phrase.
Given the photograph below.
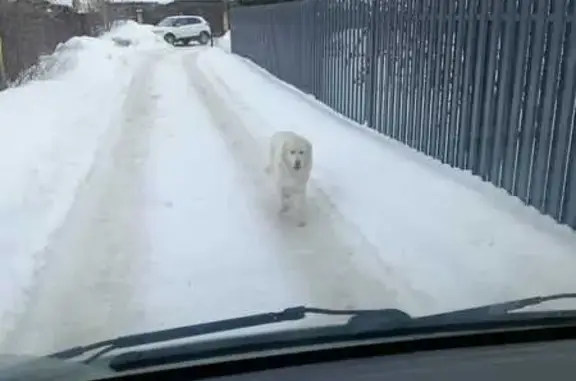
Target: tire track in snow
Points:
(335, 262)
(85, 291)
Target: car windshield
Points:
(412, 156)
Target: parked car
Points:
(184, 29)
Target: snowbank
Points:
(80, 55)
(77, 56)
(131, 33)
(50, 127)
(224, 42)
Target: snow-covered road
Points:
(100, 249)
(124, 258)
(168, 218)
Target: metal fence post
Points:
(486, 86)
(371, 60)
(3, 77)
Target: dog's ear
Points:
(284, 152)
(310, 154)
(309, 148)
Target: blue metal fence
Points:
(483, 85)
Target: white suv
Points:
(184, 29)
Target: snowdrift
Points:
(130, 33)
(224, 42)
(83, 53)
(50, 127)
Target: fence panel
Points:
(29, 30)
(487, 86)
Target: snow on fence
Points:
(485, 86)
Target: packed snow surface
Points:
(134, 198)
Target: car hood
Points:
(30, 368)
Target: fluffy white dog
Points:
(290, 165)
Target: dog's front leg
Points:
(284, 201)
(300, 206)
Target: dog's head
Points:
(297, 154)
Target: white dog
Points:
(290, 165)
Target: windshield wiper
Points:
(499, 309)
(289, 314)
(360, 320)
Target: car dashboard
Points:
(525, 355)
(526, 362)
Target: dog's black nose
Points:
(297, 164)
